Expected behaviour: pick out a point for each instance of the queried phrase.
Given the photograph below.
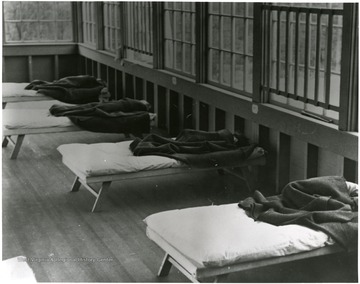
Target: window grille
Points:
(230, 47)
(111, 26)
(303, 57)
(179, 36)
(138, 43)
(89, 22)
(30, 21)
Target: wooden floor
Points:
(65, 242)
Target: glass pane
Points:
(248, 74)
(64, 31)
(47, 30)
(12, 10)
(169, 54)
(29, 10)
(226, 78)
(48, 9)
(30, 31)
(226, 8)
(188, 58)
(214, 7)
(239, 9)
(178, 54)
(215, 66)
(227, 33)
(188, 24)
(178, 25)
(239, 35)
(215, 31)
(239, 72)
(13, 31)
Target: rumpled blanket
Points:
(80, 89)
(122, 116)
(321, 203)
(196, 148)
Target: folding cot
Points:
(16, 92)
(31, 118)
(107, 162)
(21, 119)
(210, 242)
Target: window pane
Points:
(230, 42)
(37, 21)
(179, 29)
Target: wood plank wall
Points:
(298, 147)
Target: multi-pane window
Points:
(303, 57)
(179, 36)
(111, 26)
(32, 21)
(138, 43)
(230, 45)
(89, 22)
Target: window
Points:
(304, 57)
(111, 26)
(230, 39)
(30, 21)
(89, 22)
(138, 43)
(179, 25)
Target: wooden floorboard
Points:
(65, 242)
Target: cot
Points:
(210, 242)
(15, 92)
(28, 118)
(104, 163)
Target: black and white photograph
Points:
(168, 141)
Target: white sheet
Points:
(17, 90)
(89, 160)
(224, 234)
(32, 118)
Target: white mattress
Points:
(32, 118)
(224, 234)
(17, 90)
(97, 159)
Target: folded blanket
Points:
(123, 116)
(321, 203)
(196, 148)
(74, 89)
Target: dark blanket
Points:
(74, 89)
(196, 148)
(322, 203)
(123, 116)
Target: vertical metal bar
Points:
(287, 52)
(158, 24)
(201, 41)
(268, 30)
(306, 66)
(317, 60)
(257, 52)
(348, 66)
(278, 50)
(328, 60)
(296, 67)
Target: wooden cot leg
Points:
(17, 147)
(105, 186)
(165, 266)
(76, 185)
(5, 141)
